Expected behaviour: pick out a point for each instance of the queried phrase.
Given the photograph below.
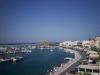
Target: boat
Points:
(26, 51)
(51, 50)
(41, 48)
(67, 58)
(71, 52)
(4, 60)
(13, 59)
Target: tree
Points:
(94, 48)
(84, 73)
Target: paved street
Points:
(70, 66)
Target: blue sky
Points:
(53, 20)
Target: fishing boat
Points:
(67, 58)
(14, 59)
(4, 60)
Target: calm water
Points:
(35, 63)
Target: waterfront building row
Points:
(85, 43)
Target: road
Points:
(73, 68)
(70, 66)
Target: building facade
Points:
(97, 42)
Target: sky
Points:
(52, 20)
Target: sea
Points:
(38, 62)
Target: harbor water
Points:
(38, 62)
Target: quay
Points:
(60, 70)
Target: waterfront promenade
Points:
(63, 67)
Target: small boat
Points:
(4, 60)
(71, 52)
(13, 59)
(27, 51)
(67, 58)
(41, 48)
(51, 50)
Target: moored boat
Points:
(67, 58)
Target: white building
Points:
(93, 69)
(69, 43)
(88, 43)
(97, 42)
(65, 43)
(2, 49)
(92, 55)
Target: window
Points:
(88, 70)
(96, 71)
(81, 69)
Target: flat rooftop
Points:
(90, 66)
